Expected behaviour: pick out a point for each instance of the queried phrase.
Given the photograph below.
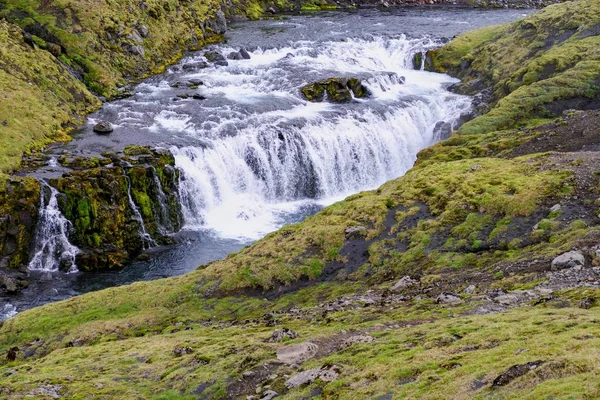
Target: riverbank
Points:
(475, 275)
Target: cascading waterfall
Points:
(249, 169)
(142, 232)
(164, 221)
(52, 251)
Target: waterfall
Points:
(250, 169)
(144, 235)
(164, 221)
(52, 249)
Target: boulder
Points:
(515, 372)
(446, 298)
(325, 373)
(103, 127)
(568, 260)
(214, 56)
(279, 335)
(338, 90)
(297, 353)
(442, 130)
(355, 232)
(403, 283)
(269, 394)
(245, 55)
(235, 55)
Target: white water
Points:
(147, 240)
(7, 310)
(255, 168)
(52, 246)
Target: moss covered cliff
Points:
(475, 275)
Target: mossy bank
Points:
(475, 275)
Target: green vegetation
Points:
(474, 225)
(537, 67)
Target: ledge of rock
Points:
(336, 90)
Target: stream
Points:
(253, 154)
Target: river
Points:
(253, 154)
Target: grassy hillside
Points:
(440, 284)
(57, 55)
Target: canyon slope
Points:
(475, 275)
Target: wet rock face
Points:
(337, 90)
(98, 202)
(19, 206)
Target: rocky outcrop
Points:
(19, 204)
(336, 90)
(122, 208)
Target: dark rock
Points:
(269, 395)
(417, 61)
(280, 334)
(221, 63)
(194, 83)
(515, 372)
(404, 283)
(12, 354)
(442, 130)
(10, 284)
(181, 351)
(326, 374)
(214, 56)
(144, 32)
(192, 66)
(103, 127)
(137, 50)
(338, 90)
(198, 97)
(235, 55)
(446, 298)
(587, 303)
(245, 55)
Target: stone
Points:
(446, 298)
(12, 354)
(338, 90)
(198, 97)
(143, 30)
(245, 55)
(235, 55)
(325, 373)
(214, 56)
(470, 289)
(221, 22)
(507, 299)
(555, 208)
(355, 232)
(269, 394)
(136, 37)
(279, 335)
(403, 283)
(515, 372)
(569, 259)
(248, 374)
(103, 127)
(137, 50)
(442, 130)
(181, 351)
(357, 339)
(10, 284)
(297, 353)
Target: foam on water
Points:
(253, 168)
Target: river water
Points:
(253, 154)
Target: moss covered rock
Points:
(338, 90)
(98, 201)
(19, 205)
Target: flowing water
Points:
(253, 154)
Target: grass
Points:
(535, 66)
